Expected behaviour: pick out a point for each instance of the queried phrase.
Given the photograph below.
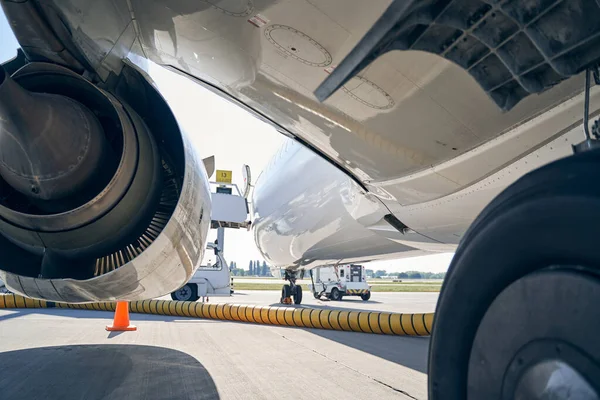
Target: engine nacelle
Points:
(102, 197)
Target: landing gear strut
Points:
(317, 295)
(291, 291)
(592, 140)
(525, 325)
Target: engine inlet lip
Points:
(114, 191)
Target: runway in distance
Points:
(420, 127)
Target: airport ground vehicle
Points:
(212, 278)
(339, 281)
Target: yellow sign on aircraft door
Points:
(223, 176)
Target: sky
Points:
(235, 137)
(231, 134)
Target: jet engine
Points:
(101, 195)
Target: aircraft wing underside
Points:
(397, 112)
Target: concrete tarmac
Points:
(67, 354)
(402, 302)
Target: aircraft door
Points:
(355, 273)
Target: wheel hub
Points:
(184, 293)
(538, 340)
(553, 379)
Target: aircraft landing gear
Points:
(291, 291)
(517, 316)
(592, 140)
(286, 294)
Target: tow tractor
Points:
(229, 210)
(338, 281)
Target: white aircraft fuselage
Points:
(308, 213)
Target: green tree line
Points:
(255, 268)
(405, 275)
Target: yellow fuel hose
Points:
(301, 317)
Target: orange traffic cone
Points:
(121, 321)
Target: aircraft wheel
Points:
(366, 296)
(188, 292)
(335, 295)
(517, 316)
(286, 292)
(298, 294)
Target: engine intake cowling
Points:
(92, 200)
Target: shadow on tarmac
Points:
(410, 352)
(104, 317)
(114, 334)
(12, 313)
(333, 305)
(349, 299)
(103, 372)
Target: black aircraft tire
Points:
(542, 228)
(298, 295)
(286, 291)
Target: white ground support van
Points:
(212, 278)
(339, 281)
